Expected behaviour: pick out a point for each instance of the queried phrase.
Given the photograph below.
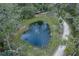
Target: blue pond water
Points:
(38, 34)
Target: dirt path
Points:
(66, 32)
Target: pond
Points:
(38, 34)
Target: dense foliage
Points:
(15, 16)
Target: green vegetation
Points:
(71, 16)
(15, 19)
(31, 50)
